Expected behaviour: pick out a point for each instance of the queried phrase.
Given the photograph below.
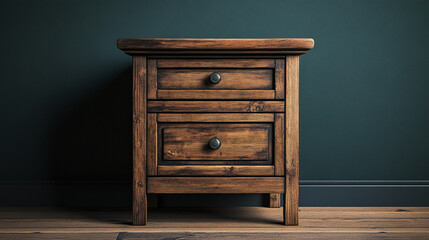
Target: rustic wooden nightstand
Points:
(216, 116)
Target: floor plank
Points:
(62, 236)
(215, 223)
(274, 236)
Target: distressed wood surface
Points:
(220, 53)
(216, 94)
(231, 79)
(216, 56)
(215, 184)
(215, 117)
(63, 236)
(205, 62)
(216, 106)
(152, 144)
(217, 223)
(277, 44)
(274, 200)
(152, 78)
(264, 236)
(239, 142)
(139, 141)
(375, 216)
(198, 170)
(241, 79)
(279, 144)
(259, 87)
(291, 196)
(279, 78)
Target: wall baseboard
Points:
(312, 193)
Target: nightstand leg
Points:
(274, 200)
(291, 196)
(139, 141)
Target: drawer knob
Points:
(215, 78)
(215, 143)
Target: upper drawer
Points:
(216, 78)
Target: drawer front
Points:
(251, 144)
(231, 79)
(230, 142)
(216, 78)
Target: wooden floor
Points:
(217, 223)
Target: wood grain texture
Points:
(274, 200)
(216, 56)
(240, 142)
(279, 144)
(217, 223)
(215, 184)
(280, 78)
(277, 44)
(291, 196)
(220, 53)
(152, 144)
(216, 106)
(254, 110)
(152, 76)
(216, 63)
(231, 79)
(60, 236)
(139, 141)
(274, 236)
(215, 117)
(216, 94)
(313, 217)
(201, 170)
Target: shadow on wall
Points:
(91, 148)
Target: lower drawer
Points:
(215, 143)
(211, 144)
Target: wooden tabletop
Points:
(174, 44)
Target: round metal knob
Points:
(215, 78)
(215, 143)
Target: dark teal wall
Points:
(65, 88)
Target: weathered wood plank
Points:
(279, 144)
(139, 141)
(243, 229)
(239, 142)
(291, 196)
(231, 218)
(152, 78)
(60, 236)
(216, 63)
(216, 94)
(215, 184)
(198, 170)
(352, 214)
(198, 79)
(275, 200)
(264, 236)
(152, 144)
(280, 79)
(216, 117)
(221, 53)
(277, 44)
(216, 106)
